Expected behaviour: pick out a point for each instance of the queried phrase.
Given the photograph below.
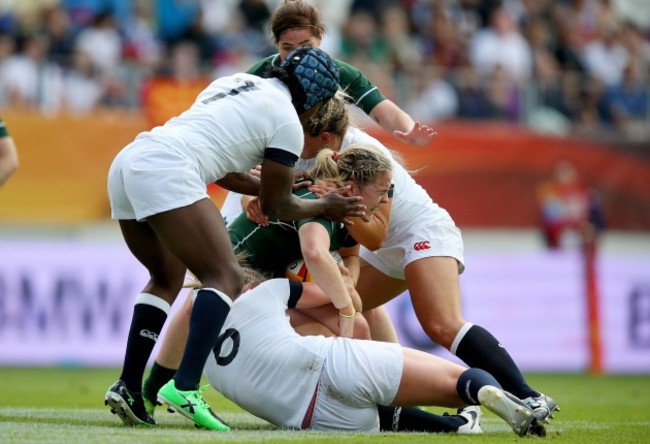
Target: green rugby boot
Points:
(190, 403)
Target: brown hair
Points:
(295, 14)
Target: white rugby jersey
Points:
(230, 124)
(256, 342)
(412, 205)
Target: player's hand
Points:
(340, 208)
(256, 172)
(420, 135)
(301, 180)
(251, 205)
(352, 291)
(320, 187)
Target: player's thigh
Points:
(435, 290)
(428, 380)
(375, 288)
(196, 234)
(380, 325)
(166, 271)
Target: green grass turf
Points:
(52, 405)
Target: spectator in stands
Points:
(433, 98)
(8, 154)
(638, 49)
(544, 64)
(440, 31)
(29, 80)
(473, 101)
(627, 104)
(502, 95)
(568, 50)
(501, 45)
(184, 62)
(7, 47)
(141, 42)
(591, 113)
(581, 16)
(58, 29)
(84, 12)
(102, 42)
(175, 18)
(362, 42)
(404, 52)
(442, 40)
(83, 89)
(605, 57)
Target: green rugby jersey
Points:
(3, 129)
(272, 248)
(365, 95)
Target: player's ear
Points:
(352, 184)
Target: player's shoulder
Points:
(261, 67)
(267, 293)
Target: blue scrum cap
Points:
(316, 73)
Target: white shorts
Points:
(357, 375)
(430, 240)
(148, 178)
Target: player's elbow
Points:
(278, 207)
(271, 208)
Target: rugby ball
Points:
(297, 270)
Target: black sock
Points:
(208, 315)
(478, 348)
(411, 419)
(471, 381)
(158, 377)
(146, 324)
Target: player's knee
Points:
(233, 280)
(442, 333)
(228, 277)
(165, 287)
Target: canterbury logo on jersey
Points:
(247, 86)
(423, 245)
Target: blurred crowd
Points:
(558, 66)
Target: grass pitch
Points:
(65, 405)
